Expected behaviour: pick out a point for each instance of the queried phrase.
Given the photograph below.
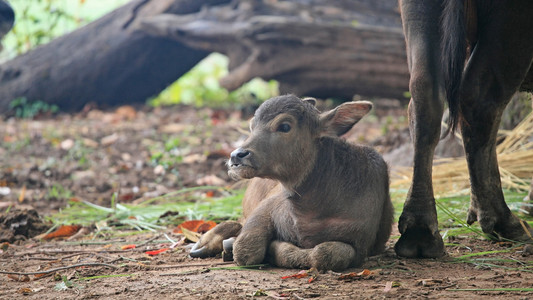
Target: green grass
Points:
(147, 215)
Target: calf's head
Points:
(285, 137)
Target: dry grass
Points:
(515, 157)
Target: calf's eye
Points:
(284, 127)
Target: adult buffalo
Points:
(476, 57)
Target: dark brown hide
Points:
(477, 88)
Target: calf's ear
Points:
(339, 120)
(310, 100)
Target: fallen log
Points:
(312, 47)
(316, 48)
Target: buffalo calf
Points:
(314, 200)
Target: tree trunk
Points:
(322, 48)
(316, 48)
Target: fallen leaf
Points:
(22, 193)
(63, 231)
(19, 278)
(199, 226)
(205, 227)
(355, 276)
(126, 112)
(428, 282)
(83, 231)
(156, 252)
(388, 287)
(301, 274)
(191, 235)
(25, 291)
(126, 247)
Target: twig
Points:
(193, 272)
(192, 265)
(59, 269)
(149, 240)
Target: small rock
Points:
(83, 175)
(67, 144)
(108, 140)
(159, 170)
(90, 143)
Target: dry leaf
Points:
(22, 193)
(20, 278)
(191, 235)
(388, 287)
(25, 291)
(355, 276)
(63, 232)
(199, 226)
(156, 252)
(126, 247)
(126, 112)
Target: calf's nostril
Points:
(239, 153)
(243, 154)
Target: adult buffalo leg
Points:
(418, 223)
(496, 69)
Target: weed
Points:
(28, 110)
(146, 215)
(57, 191)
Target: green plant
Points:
(57, 191)
(28, 110)
(146, 215)
(40, 21)
(200, 87)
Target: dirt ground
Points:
(93, 154)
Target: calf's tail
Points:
(453, 55)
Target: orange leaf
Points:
(353, 275)
(156, 252)
(300, 274)
(205, 227)
(195, 226)
(63, 231)
(22, 194)
(126, 247)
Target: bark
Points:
(316, 48)
(321, 48)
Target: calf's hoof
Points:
(227, 254)
(211, 243)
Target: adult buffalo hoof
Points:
(420, 237)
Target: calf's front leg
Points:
(251, 245)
